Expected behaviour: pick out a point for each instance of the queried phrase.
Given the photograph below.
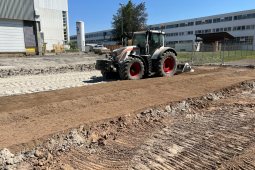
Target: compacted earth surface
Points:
(37, 65)
(200, 120)
(17, 85)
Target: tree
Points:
(134, 18)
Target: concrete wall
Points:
(60, 5)
(49, 14)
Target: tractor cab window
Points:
(139, 40)
(155, 41)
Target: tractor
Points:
(146, 57)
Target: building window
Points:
(64, 14)
(216, 20)
(208, 21)
(190, 32)
(207, 31)
(182, 24)
(190, 23)
(198, 22)
(181, 33)
(245, 16)
(228, 18)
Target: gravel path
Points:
(38, 83)
(35, 65)
(48, 61)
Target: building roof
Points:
(212, 37)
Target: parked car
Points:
(100, 49)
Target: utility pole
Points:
(122, 24)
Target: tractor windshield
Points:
(140, 40)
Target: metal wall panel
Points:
(11, 36)
(17, 9)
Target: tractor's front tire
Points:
(131, 69)
(167, 65)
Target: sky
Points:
(97, 14)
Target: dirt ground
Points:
(45, 65)
(27, 121)
(212, 132)
(244, 62)
(48, 61)
(29, 117)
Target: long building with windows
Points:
(239, 24)
(26, 24)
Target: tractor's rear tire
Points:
(167, 65)
(131, 69)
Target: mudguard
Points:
(161, 50)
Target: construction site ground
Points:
(42, 65)
(200, 120)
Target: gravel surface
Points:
(46, 61)
(38, 83)
(35, 65)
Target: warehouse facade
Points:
(26, 24)
(239, 24)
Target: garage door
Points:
(11, 36)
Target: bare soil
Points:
(212, 132)
(215, 131)
(26, 120)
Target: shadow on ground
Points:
(95, 79)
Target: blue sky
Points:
(97, 14)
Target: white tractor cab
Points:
(146, 56)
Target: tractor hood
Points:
(122, 53)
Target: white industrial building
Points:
(239, 24)
(26, 24)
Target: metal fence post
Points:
(241, 51)
(221, 56)
(192, 57)
(193, 51)
(252, 48)
(224, 49)
(247, 50)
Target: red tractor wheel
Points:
(132, 69)
(167, 65)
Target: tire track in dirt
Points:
(218, 136)
(31, 118)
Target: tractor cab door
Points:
(155, 42)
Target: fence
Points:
(224, 53)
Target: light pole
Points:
(122, 24)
